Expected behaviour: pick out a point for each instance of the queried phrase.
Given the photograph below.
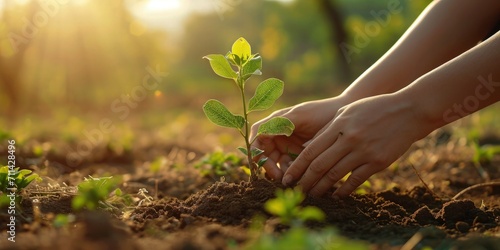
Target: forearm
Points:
(462, 86)
(444, 30)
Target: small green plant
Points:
(13, 180)
(218, 164)
(93, 192)
(485, 153)
(304, 238)
(287, 207)
(118, 200)
(266, 93)
(63, 220)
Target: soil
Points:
(189, 211)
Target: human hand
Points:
(365, 137)
(308, 118)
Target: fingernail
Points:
(306, 143)
(287, 180)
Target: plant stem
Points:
(251, 164)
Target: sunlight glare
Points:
(162, 5)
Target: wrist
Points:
(424, 115)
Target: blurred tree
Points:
(82, 54)
(336, 21)
(12, 50)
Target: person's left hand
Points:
(365, 137)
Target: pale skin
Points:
(439, 71)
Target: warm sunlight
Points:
(162, 5)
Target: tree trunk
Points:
(339, 35)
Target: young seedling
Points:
(14, 180)
(93, 192)
(267, 92)
(286, 206)
(219, 164)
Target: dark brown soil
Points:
(222, 213)
(194, 212)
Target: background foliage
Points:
(91, 53)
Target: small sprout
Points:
(218, 164)
(286, 206)
(158, 164)
(146, 199)
(62, 220)
(118, 199)
(15, 180)
(93, 192)
(266, 93)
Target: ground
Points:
(396, 209)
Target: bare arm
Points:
(459, 87)
(392, 122)
(444, 30)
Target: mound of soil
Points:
(221, 214)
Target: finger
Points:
(264, 142)
(330, 157)
(321, 165)
(288, 145)
(358, 176)
(336, 173)
(272, 170)
(310, 155)
(284, 162)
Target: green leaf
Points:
(252, 67)
(256, 151)
(277, 126)
(243, 150)
(275, 207)
(24, 172)
(242, 49)
(26, 181)
(262, 161)
(78, 202)
(232, 59)
(312, 213)
(221, 66)
(217, 113)
(266, 94)
(118, 192)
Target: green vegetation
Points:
(14, 180)
(267, 92)
(93, 192)
(218, 164)
(286, 206)
(304, 238)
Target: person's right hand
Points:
(308, 118)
